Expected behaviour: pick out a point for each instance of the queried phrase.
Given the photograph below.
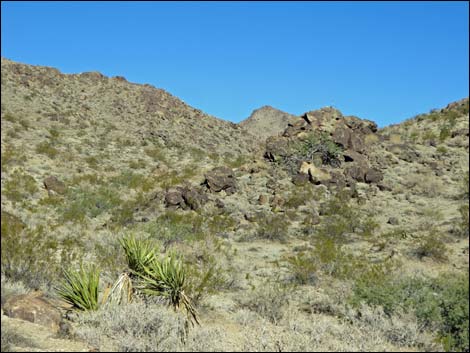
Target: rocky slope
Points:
(279, 234)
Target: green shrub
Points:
(440, 304)
(463, 228)
(9, 117)
(11, 156)
(272, 227)
(20, 186)
(47, 148)
(321, 146)
(444, 133)
(303, 268)
(80, 288)
(34, 256)
(174, 226)
(432, 246)
(85, 201)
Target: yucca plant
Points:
(167, 278)
(140, 253)
(80, 288)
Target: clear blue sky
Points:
(384, 61)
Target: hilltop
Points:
(298, 233)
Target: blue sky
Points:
(384, 61)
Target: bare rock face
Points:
(174, 198)
(194, 198)
(54, 186)
(221, 178)
(186, 198)
(267, 121)
(35, 308)
(276, 148)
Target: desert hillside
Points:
(318, 232)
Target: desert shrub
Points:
(137, 164)
(128, 179)
(221, 223)
(47, 148)
(11, 288)
(207, 274)
(92, 162)
(80, 288)
(12, 339)
(135, 327)
(11, 156)
(173, 226)
(432, 246)
(269, 300)
(19, 186)
(157, 153)
(321, 146)
(303, 268)
(85, 201)
(300, 196)
(440, 304)
(444, 132)
(9, 117)
(34, 256)
(272, 227)
(463, 228)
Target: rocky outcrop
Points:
(221, 178)
(54, 186)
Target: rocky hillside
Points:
(267, 121)
(329, 235)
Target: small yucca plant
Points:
(80, 288)
(168, 278)
(139, 253)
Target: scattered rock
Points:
(54, 186)
(263, 199)
(393, 221)
(316, 175)
(174, 198)
(194, 198)
(300, 179)
(373, 176)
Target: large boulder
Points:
(348, 138)
(34, 307)
(373, 176)
(276, 148)
(54, 186)
(194, 198)
(316, 175)
(221, 178)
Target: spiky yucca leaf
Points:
(80, 288)
(168, 278)
(139, 252)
